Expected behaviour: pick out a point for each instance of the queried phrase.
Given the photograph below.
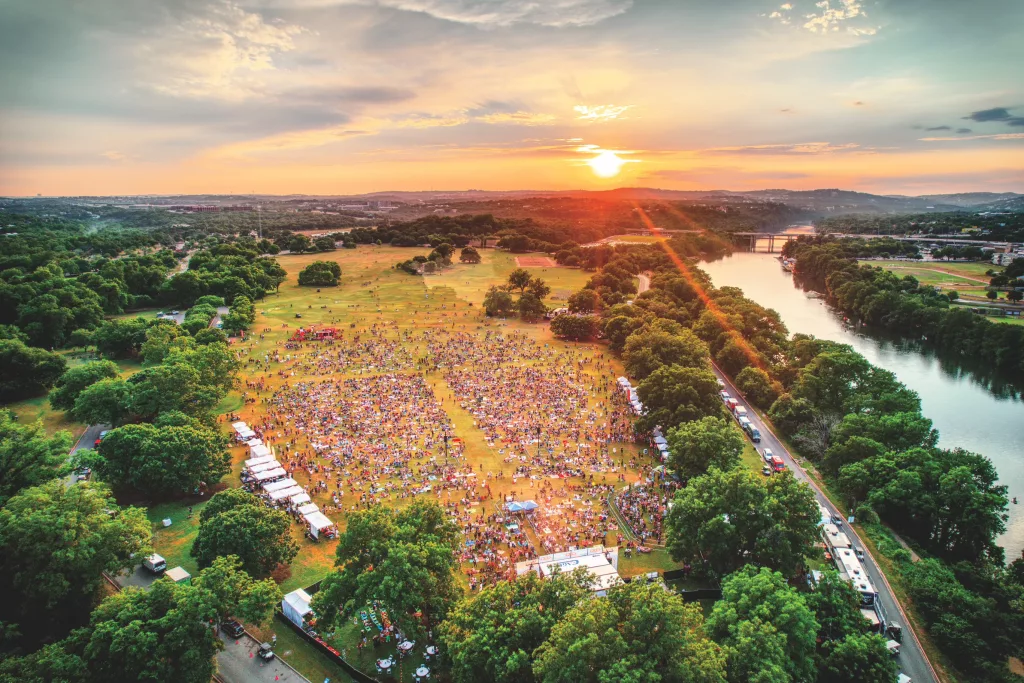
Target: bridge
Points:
(750, 239)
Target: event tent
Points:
(252, 462)
(300, 499)
(296, 606)
(259, 451)
(308, 508)
(264, 466)
(285, 493)
(270, 475)
(318, 523)
(278, 485)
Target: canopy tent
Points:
(296, 606)
(318, 523)
(252, 462)
(278, 485)
(300, 499)
(259, 451)
(660, 441)
(524, 506)
(264, 466)
(308, 509)
(254, 442)
(285, 493)
(270, 475)
(246, 434)
(239, 426)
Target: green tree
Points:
(258, 535)
(320, 274)
(161, 459)
(498, 302)
(672, 395)
(574, 327)
(758, 386)
(836, 606)
(763, 624)
(639, 633)
(520, 279)
(859, 658)
(700, 444)
(584, 301)
(1015, 295)
(729, 519)
(651, 348)
(491, 635)
(120, 338)
(55, 541)
(530, 307)
(26, 371)
(992, 295)
(405, 559)
(108, 401)
(28, 457)
(538, 288)
(71, 383)
(469, 255)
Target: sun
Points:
(607, 164)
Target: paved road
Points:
(645, 283)
(221, 311)
(239, 663)
(911, 660)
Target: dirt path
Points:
(645, 283)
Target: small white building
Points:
(601, 563)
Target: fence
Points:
(355, 673)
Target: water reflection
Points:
(971, 409)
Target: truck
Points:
(777, 463)
(155, 564)
(740, 411)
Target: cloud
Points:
(796, 148)
(826, 18)
(215, 53)
(601, 112)
(963, 131)
(997, 114)
(114, 155)
(519, 118)
(997, 136)
(496, 13)
(938, 128)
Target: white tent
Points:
(278, 485)
(285, 493)
(252, 462)
(239, 426)
(253, 442)
(318, 523)
(308, 508)
(300, 499)
(270, 475)
(259, 451)
(264, 466)
(246, 434)
(296, 606)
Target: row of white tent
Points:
(242, 431)
(263, 468)
(634, 400)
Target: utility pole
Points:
(446, 447)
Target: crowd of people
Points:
(644, 506)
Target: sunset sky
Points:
(348, 96)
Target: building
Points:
(1005, 259)
(601, 563)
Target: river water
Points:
(967, 414)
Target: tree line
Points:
(902, 306)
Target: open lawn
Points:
(378, 303)
(942, 274)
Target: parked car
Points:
(768, 455)
(155, 564)
(766, 470)
(859, 552)
(266, 652)
(233, 628)
(102, 434)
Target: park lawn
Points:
(38, 408)
(937, 272)
(1007, 319)
(470, 282)
(658, 560)
(146, 313)
(175, 542)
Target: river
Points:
(964, 411)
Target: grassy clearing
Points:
(940, 274)
(38, 408)
(175, 542)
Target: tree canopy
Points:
(237, 523)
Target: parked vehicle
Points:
(266, 652)
(766, 470)
(755, 434)
(768, 455)
(859, 552)
(725, 395)
(733, 404)
(893, 647)
(233, 628)
(155, 564)
(102, 434)
(740, 411)
(745, 424)
(777, 464)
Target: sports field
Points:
(942, 274)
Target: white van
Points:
(155, 564)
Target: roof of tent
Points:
(300, 498)
(239, 425)
(259, 461)
(278, 485)
(259, 451)
(270, 474)
(281, 494)
(246, 433)
(530, 505)
(254, 442)
(298, 600)
(308, 508)
(318, 520)
(264, 466)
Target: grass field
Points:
(372, 293)
(942, 274)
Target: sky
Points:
(109, 97)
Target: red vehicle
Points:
(314, 334)
(777, 463)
